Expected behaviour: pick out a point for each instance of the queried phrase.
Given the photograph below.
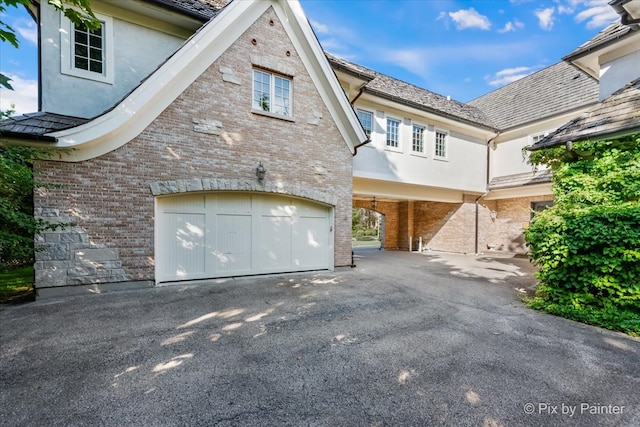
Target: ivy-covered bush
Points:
(587, 245)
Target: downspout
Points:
(477, 201)
(360, 91)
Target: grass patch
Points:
(611, 318)
(17, 285)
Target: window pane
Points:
(418, 138)
(81, 50)
(80, 37)
(95, 41)
(88, 49)
(81, 63)
(441, 144)
(261, 91)
(95, 66)
(95, 54)
(366, 119)
(392, 132)
(281, 101)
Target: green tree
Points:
(17, 222)
(78, 11)
(587, 245)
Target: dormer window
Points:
(87, 53)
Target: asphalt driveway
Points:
(403, 339)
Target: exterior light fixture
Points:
(260, 172)
(374, 203)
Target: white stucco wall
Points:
(507, 158)
(463, 169)
(137, 51)
(617, 73)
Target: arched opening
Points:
(367, 228)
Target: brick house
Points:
(156, 158)
(219, 144)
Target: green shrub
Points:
(587, 245)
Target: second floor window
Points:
(441, 144)
(271, 93)
(366, 120)
(88, 49)
(418, 139)
(393, 128)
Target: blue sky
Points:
(463, 49)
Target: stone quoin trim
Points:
(165, 188)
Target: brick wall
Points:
(209, 131)
(450, 227)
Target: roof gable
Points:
(554, 90)
(137, 110)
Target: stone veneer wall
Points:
(209, 134)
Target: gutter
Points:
(432, 110)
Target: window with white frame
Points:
(366, 120)
(441, 144)
(537, 137)
(393, 133)
(90, 53)
(271, 93)
(418, 139)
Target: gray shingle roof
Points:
(610, 34)
(200, 9)
(36, 125)
(618, 114)
(520, 179)
(553, 90)
(414, 96)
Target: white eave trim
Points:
(323, 76)
(132, 116)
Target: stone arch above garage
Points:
(165, 188)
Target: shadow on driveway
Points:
(402, 339)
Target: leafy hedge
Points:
(587, 245)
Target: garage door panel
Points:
(310, 243)
(226, 234)
(232, 247)
(183, 246)
(273, 243)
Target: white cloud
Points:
(597, 14)
(319, 28)
(545, 18)
(26, 30)
(511, 26)
(509, 75)
(414, 60)
(23, 97)
(470, 18)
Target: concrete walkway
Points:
(402, 339)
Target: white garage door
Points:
(202, 236)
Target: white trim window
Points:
(537, 137)
(90, 52)
(271, 93)
(366, 120)
(417, 145)
(393, 133)
(440, 146)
